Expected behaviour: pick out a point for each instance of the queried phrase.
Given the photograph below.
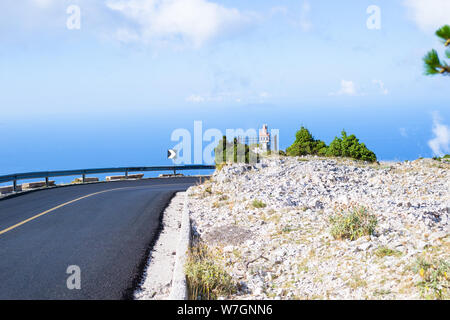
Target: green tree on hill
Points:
(350, 147)
(306, 144)
(335, 148)
(345, 146)
(227, 151)
(433, 64)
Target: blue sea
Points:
(142, 137)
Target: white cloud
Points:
(347, 88)
(202, 98)
(189, 21)
(195, 98)
(429, 15)
(237, 96)
(298, 19)
(126, 35)
(264, 95)
(380, 84)
(440, 144)
(350, 88)
(279, 10)
(175, 22)
(31, 18)
(42, 3)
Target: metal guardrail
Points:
(83, 172)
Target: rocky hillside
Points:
(298, 228)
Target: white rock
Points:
(228, 249)
(290, 236)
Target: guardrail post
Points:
(126, 174)
(15, 185)
(46, 182)
(174, 171)
(84, 178)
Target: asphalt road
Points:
(105, 229)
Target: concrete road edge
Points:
(179, 285)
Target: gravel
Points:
(157, 279)
(285, 251)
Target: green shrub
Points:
(233, 152)
(386, 252)
(258, 204)
(351, 225)
(345, 146)
(305, 144)
(205, 276)
(435, 280)
(208, 190)
(220, 166)
(349, 146)
(335, 148)
(447, 156)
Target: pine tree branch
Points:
(444, 33)
(433, 64)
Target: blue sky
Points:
(164, 63)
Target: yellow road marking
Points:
(75, 200)
(57, 207)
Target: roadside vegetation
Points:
(347, 146)
(382, 252)
(434, 278)
(205, 275)
(233, 151)
(305, 144)
(258, 204)
(353, 224)
(446, 158)
(220, 166)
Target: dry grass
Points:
(434, 277)
(353, 224)
(206, 277)
(386, 252)
(258, 204)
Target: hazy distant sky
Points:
(144, 57)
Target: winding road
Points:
(104, 229)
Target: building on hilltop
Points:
(264, 138)
(264, 141)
